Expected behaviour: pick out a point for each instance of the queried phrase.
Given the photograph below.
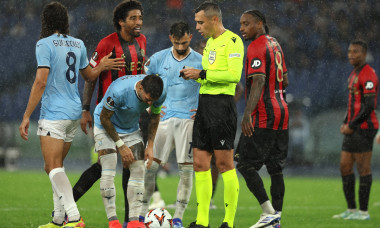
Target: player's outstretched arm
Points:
(38, 89)
(125, 153)
(90, 74)
(153, 125)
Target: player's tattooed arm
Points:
(152, 129)
(89, 87)
(105, 119)
(258, 82)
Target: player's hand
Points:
(23, 129)
(162, 114)
(190, 73)
(346, 130)
(148, 156)
(126, 154)
(377, 139)
(195, 113)
(86, 119)
(246, 125)
(112, 64)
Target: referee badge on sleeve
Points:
(211, 57)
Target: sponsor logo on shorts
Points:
(222, 142)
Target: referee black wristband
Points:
(86, 108)
(202, 74)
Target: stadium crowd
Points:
(314, 36)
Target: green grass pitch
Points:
(26, 201)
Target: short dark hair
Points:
(121, 11)
(211, 9)
(260, 17)
(153, 85)
(179, 29)
(361, 43)
(54, 17)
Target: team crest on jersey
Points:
(211, 57)
(256, 63)
(110, 102)
(369, 85)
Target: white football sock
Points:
(150, 181)
(135, 190)
(62, 187)
(185, 186)
(107, 185)
(267, 207)
(59, 210)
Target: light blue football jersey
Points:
(65, 56)
(121, 98)
(181, 95)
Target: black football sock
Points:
(125, 179)
(349, 190)
(364, 190)
(277, 190)
(155, 185)
(254, 182)
(86, 180)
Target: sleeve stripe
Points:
(255, 74)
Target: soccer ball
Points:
(158, 218)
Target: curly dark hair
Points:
(121, 11)
(54, 17)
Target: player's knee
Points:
(274, 170)
(224, 165)
(364, 170)
(345, 169)
(243, 167)
(137, 174)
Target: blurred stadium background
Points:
(314, 36)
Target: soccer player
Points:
(359, 129)
(127, 42)
(176, 125)
(116, 120)
(264, 138)
(60, 58)
(215, 121)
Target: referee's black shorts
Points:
(359, 141)
(265, 146)
(215, 123)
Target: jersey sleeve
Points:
(99, 53)
(369, 82)
(256, 63)
(83, 58)
(43, 54)
(112, 99)
(235, 55)
(151, 65)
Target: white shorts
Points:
(59, 129)
(103, 140)
(174, 133)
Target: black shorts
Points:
(265, 146)
(215, 123)
(360, 141)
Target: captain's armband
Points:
(155, 110)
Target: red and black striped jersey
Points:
(362, 84)
(265, 57)
(133, 54)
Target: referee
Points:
(216, 118)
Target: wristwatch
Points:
(202, 74)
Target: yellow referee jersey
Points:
(223, 60)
